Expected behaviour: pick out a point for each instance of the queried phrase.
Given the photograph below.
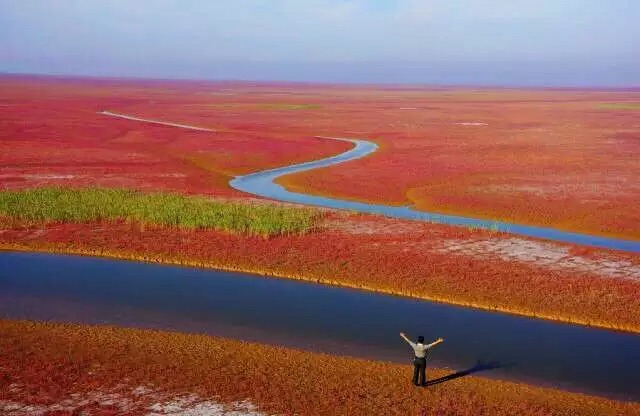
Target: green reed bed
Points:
(97, 204)
(629, 106)
(266, 106)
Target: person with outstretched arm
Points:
(420, 359)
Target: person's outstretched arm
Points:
(436, 342)
(406, 339)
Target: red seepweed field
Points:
(52, 134)
(564, 159)
(560, 158)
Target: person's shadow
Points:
(478, 367)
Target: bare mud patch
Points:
(373, 226)
(192, 405)
(142, 399)
(543, 254)
(37, 176)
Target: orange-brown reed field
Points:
(56, 366)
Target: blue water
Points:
(318, 318)
(262, 184)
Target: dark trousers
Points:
(419, 371)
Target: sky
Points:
(478, 42)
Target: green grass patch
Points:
(269, 106)
(289, 106)
(165, 209)
(619, 106)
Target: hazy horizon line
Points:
(383, 84)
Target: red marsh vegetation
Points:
(51, 134)
(73, 369)
(559, 158)
(564, 159)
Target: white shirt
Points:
(420, 349)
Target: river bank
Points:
(45, 363)
(382, 255)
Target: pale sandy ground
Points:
(373, 226)
(554, 256)
(544, 254)
(148, 120)
(37, 176)
(155, 402)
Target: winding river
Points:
(318, 318)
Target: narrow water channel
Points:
(318, 318)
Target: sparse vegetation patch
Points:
(620, 106)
